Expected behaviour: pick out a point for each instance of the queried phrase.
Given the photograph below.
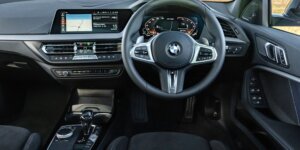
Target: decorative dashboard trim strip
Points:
(62, 37)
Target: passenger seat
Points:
(17, 138)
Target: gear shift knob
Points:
(86, 119)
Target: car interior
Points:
(149, 75)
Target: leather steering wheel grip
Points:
(213, 27)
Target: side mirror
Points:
(285, 15)
(293, 13)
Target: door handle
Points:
(276, 54)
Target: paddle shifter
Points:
(86, 119)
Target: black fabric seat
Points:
(16, 138)
(165, 141)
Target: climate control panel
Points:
(87, 72)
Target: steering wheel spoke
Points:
(172, 81)
(204, 54)
(142, 52)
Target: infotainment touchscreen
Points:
(90, 21)
(97, 21)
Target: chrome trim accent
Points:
(284, 55)
(59, 136)
(85, 57)
(267, 45)
(44, 48)
(277, 50)
(172, 78)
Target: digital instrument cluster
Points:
(153, 25)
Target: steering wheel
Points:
(172, 52)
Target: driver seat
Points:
(165, 141)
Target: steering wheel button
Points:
(145, 52)
(138, 48)
(144, 48)
(137, 52)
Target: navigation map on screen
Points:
(79, 23)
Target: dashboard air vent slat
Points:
(227, 29)
(107, 47)
(58, 48)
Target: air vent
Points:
(107, 47)
(58, 48)
(227, 29)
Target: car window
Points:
(286, 15)
(279, 6)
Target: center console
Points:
(84, 125)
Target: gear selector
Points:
(86, 120)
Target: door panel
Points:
(276, 117)
(275, 122)
(281, 96)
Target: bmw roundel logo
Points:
(174, 48)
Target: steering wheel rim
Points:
(133, 27)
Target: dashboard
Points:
(82, 39)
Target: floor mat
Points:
(43, 108)
(208, 129)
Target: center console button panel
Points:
(77, 140)
(87, 72)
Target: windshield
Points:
(8, 1)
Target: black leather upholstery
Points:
(165, 141)
(16, 138)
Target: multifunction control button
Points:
(142, 52)
(205, 54)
